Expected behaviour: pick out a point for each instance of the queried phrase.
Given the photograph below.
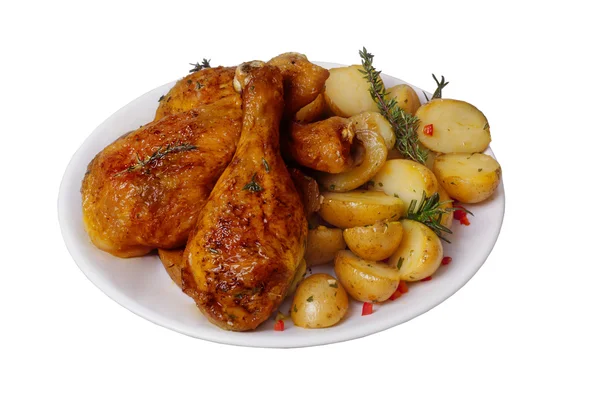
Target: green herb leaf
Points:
(440, 85)
(266, 164)
(400, 261)
(310, 299)
(198, 67)
(252, 186)
(161, 98)
(199, 86)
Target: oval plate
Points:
(143, 286)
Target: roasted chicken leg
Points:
(250, 237)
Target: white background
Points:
(525, 327)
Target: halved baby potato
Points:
(469, 178)
(320, 301)
(419, 254)
(453, 126)
(375, 154)
(365, 280)
(359, 208)
(347, 92)
(375, 122)
(405, 179)
(374, 242)
(322, 245)
(312, 111)
(407, 98)
(446, 202)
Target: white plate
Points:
(143, 286)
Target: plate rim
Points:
(253, 338)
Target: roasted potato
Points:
(448, 217)
(405, 179)
(359, 208)
(469, 178)
(172, 260)
(312, 112)
(453, 126)
(322, 245)
(419, 254)
(374, 155)
(365, 280)
(407, 98)
(374, 121)
(320, 301)
(374, 242)
(347, 92)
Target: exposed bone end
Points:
(242, 74)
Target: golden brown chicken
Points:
(250, 238)
(145, 189)
(323, 145)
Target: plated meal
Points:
(251, 176)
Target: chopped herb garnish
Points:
(199, 86)
(252, 186)
(157, 155)
(400, 261)
(333, 285)
(161, 98)
(189, 81)
(396, 195)
(214, 251)
(198, 67)
(266, 164)
(310, 299)
(480, 169)
(331, 187)
(295, 308)
(486, 126)
(380, 184)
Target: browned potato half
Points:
(407, 98)
(469, 178)
(312, 112)
(320, 301)
(419, 254)
(347, 92)
(365, 280)
(322, 245)
(359, 208)
(453, 126)
(172, 260)
(405, 179)
(374, 121)
(375, 154)
(374, 242)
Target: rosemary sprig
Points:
(429, 212)
(252, 186)
(404, 124)
(198, 67)
(438, 91)
(157, 155)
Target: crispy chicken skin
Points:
(145, 190)
(207, 86)
(323, 145)
(250, 237)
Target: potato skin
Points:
(375, 155)
(458, 127)
(313, 111)
(319, 302)
(405, 179)
(347, 92)
(359, 208)
(374, 242)
(448, 217)
(322, 245)
(375, 122)
(364, 280)
(468, 178)
(407, 98)
(421, 251)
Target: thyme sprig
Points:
(438, 91)
(252, 186)
(429, 212)
(198, 67)
(404, 124)
(157, 155)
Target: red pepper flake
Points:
(279, 325)
(461, 215)
(403, 287)
(395, 295)
(428, 130)
(426, 279)
(367, 309)
(446, 260)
